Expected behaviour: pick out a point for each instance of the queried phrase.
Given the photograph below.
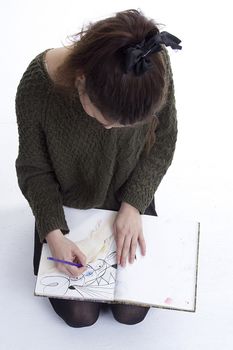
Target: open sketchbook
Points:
(165, 277)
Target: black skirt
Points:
(150, 210)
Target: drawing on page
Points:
(98, 281)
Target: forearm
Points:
(53, 235)
(127, 206)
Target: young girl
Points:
(97, 129)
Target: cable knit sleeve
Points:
(35, 174)
(140, 187)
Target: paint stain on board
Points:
(168, 301)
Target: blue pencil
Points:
(64, 261)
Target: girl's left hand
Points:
(128, 231)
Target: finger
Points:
(62, 268)
(81, 270)
(114, 229)
(119, 242)
(69, 270)
(142, 244)
(133, 248)
(80, 256)
(74, 271)
(125, 250)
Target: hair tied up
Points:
(137, 56)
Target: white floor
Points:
(198, 184)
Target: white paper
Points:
(166, 275)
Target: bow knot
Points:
(136, 57)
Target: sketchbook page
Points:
(166, 275)
(91, 230)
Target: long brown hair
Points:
(120, 97)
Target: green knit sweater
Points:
(66, 157)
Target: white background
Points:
(198, 184)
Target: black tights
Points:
(85, 313)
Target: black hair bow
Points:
(136, 56)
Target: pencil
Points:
(64, 261)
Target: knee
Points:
(129, 319)
(129, 314)
(77, 321)
(76, 313)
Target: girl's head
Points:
(95, 68)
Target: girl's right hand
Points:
(64, 249)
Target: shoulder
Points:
(34, 80)
(52, 59)
(33, 92)
(37, 79)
